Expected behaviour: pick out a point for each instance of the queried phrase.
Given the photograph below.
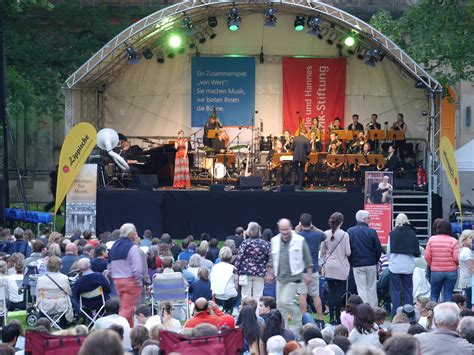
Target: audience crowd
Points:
(302, 291)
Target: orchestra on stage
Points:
(309, 157)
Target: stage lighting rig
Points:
(361, 52)
(373, 56)
(212, 21)
(270, 18)
(191, 42)
(299, 23)
(187, 26)
(313, 23)
(233, 19)
(174, 41)
(333, 37)
(210, 33)
(201, 38)
(169, 53)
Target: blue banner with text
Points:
(226, 84)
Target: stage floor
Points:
(184, 212)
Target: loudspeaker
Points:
(2, 203)
(146, 182)
(216, 187)
(250, 182)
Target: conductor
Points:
(301, 148)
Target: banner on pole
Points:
(76, 148)
(314, 87)
(226, 84)
(379, 202)
(81, 201)
(446, 151)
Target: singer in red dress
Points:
(181, 163)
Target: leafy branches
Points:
(437, 34)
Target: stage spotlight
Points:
(299, 23)
(313, 25)
(174, 41)
(191, 42)
(169, 53)
(210, 33)
(132, 55)
(181, 50)
(373, 56)
(233, 19)
(352, 50)
(333, 37)
(187, 26)
(349, 41)
(212, 21)
(361, 52)
(262, 56)
(323, 32)
(147, 54)
(270, 18)
(201, 37)
(160, 57)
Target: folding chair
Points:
(3, 304)
(57, 298)
(170, 287)
(96, 313)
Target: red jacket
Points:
(442, 253)
(205, 317)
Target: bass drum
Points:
(207, 163)
(219, 171)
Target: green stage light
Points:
(349, 41)
(299, 23)
(174, 41)
(233, 27)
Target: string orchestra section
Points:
(310, 157)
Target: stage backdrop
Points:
(313, 87)
(226, 84)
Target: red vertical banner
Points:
(379, 202)
(314, 87)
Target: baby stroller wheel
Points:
(32, 319)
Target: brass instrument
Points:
(380, 166)
(356, 167)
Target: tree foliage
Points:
(44, 45)
(437, 34)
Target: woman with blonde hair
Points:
(55, 237)
(403, 248)
(466, 264)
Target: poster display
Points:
(378, 200)
(226, 84)
(81, 201)
(313, 87)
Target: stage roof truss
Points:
(111, 60)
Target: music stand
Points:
(351, 135)
(393, 135)
(277, 158)
(313, 158)
(353, 159)
(335, 158)
(376, 159)
(376, 134)
(342, 133)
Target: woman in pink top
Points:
(442, 256)
(347, 316)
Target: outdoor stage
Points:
(181, 213)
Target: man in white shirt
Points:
(144, 317)
(112, 308)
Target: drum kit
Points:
(219, 166)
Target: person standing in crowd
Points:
(365, 254)
(466, 265)
(126, 269)
(250, 264)
(313, 237)
(290, 257)
(404, 248)
(335, 251)
(181, 164)
(442, 256)
(238, 237)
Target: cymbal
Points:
(236, 147)
(206, 149)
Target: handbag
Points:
(321, 266)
